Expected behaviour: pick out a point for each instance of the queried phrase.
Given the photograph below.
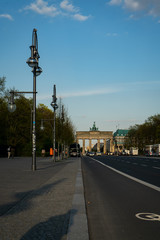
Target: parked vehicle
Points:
(156, 150)
(74, 150)
(125, 152)
(110, 153)
(148, 150)
(133, 151)
(91, 154)
(98, 153)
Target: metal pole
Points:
(54, 105)
(54, 136)
(33, 63)
(62, 131)
(34, 122)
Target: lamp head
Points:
(42, 127)
(11, 103)
(54, 105)
(11, 107)
(38, 71)
(32, 62)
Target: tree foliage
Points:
(16, 127)
(147, 133)
(2, 85)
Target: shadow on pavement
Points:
(54, 228)
(23, 202)
(44, 165)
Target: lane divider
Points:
(128, 176)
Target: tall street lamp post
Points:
(62, 120)
(33, 63)
(55, 106)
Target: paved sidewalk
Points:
(47, 204)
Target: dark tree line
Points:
(147, 133)
(16, 127)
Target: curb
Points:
(78, 225)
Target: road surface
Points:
(119, 205)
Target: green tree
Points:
(16, 127)
(147, 133)
(3, 118)
(19, 126)
(2, 85)
(45, 136)
(3, 122)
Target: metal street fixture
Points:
(11, 103)
(55, 106)
(38, 71)
(62, 121)
(42, 127)
(33, 63)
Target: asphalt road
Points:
(144, 168)
(118, 207)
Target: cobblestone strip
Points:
(78, 225)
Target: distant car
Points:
(98, 153)
(91, 154)
(110, 153)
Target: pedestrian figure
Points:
(9, 152)
(43, 152)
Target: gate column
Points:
(111, 145)
(83, 151)
(98, 145)
(89, 145)
(104, 148)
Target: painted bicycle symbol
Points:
(148, 216)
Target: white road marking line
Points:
(148, 216)
(156, 167)
(143, 165)
(130, 177)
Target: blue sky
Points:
(103, 56)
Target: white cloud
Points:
(68, 6)
(121, 120)
(81, 93)
(90, 93)
(42, 7)
(133, 5)
(80, 17)
(115, 2)
(101, 91)
(149, 7)
(112, 34)
(65, 8)
(9, 17)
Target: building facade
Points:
(119, 138)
